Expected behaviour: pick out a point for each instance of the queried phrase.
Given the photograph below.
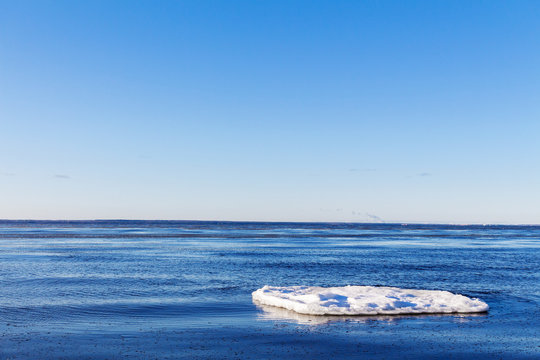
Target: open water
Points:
(182, 289)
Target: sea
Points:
(182, 289)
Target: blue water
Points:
(175, 289)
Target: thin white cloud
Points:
(362, 169)
(374, 217)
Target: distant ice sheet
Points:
(365, 300)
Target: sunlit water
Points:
(145, 289)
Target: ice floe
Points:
(365, 300)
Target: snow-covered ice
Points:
(365, 300)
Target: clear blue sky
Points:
(405, 111)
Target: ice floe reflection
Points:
(273, 313)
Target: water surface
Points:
(178, 289)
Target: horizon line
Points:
(279, 222)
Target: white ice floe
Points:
(365, 300)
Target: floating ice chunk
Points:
(365, 300)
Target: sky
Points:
(339, 111)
